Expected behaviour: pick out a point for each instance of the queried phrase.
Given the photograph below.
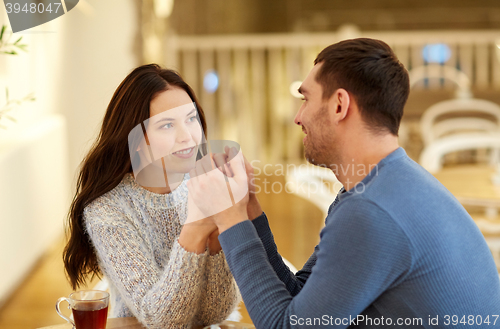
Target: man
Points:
(397, 249)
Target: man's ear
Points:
(339, 103)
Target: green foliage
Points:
(11, 104)
(6, 46)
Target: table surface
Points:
(471, 184)
(132, 323)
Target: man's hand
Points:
(220, 159)
(254, 209)
(209, 191)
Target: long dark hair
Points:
(109, 160)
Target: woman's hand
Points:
(213, 243)
(195, 236)
(220, 159)
(209, 191)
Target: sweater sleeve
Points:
(294, 283)
(158, 298)
(361, 253)
(221, 295)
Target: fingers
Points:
(225, 162)
(220, 159)
(248, 166)
(211, 193)
(207, 164)
(237, 165)
(235, 158)
(198, 168)
(239, 183)
(202, 166)
(232, 152)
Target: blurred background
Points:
(244, 59)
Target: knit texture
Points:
(134, 233)
(398, 249)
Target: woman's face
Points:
(173, 130)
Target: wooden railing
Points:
(253, 104)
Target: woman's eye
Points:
(191, 119)
(167, 126)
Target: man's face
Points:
(313, 117)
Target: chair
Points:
(431, 129)
(435, 71)
(315, 184)
(431, 157)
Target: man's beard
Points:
(318, 149)
(315, 154)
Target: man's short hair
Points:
(370, 72)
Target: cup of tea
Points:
(89, 307)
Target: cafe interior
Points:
(245, 59)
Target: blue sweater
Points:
(397, 251)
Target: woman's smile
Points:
(184, 153)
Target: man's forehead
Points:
(309, 84)
(314, 71)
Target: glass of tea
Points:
(89, 307)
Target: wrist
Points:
(192, 240)
(228, 219)
(254, 209)
(214, 246)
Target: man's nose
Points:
(298, 119)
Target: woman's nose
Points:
(183, 134)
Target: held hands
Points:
(222, 194)
(197, 236)
(200, 235)
(253, 207)
(213, 190)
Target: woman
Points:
(127, 224)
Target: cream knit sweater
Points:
(134, 232)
